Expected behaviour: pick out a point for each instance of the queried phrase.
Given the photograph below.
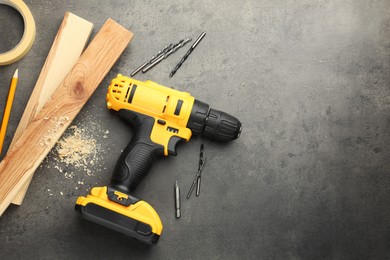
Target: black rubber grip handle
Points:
(139, 155)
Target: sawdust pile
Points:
(79, 155)
(77, 149)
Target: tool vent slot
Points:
(132, 92)
(117, 90)
(172, 129)
(166, 101)
(127, 94)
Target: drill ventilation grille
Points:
(117, 89)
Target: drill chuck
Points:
(221, 126)
(212, 123)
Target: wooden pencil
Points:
(8, 107)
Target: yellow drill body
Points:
(154, 100)
(160, 117)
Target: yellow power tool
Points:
(160, 117)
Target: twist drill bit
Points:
(187, 54)
(197, 179)
(166, 54)
(177, 199)
(166, 48)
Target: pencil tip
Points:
(16, 73)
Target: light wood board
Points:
(67, 47)
(50, 123)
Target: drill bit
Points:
(177, 199)
(187, 54)
(165, 55)
(197, 179)
(166, 48)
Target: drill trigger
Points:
(173, 141)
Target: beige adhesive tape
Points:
(27, 40)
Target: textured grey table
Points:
(309, 178)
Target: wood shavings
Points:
(77, 150)
(69, 175)
(58, 168)
(78, 155)
(106, 134)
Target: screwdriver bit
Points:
(177, 199)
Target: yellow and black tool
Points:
(160, 118)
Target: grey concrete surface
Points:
(309, 178)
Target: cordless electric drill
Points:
(160, 118)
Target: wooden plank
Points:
(47, 127)
(69, 43)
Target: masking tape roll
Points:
(27, 40)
